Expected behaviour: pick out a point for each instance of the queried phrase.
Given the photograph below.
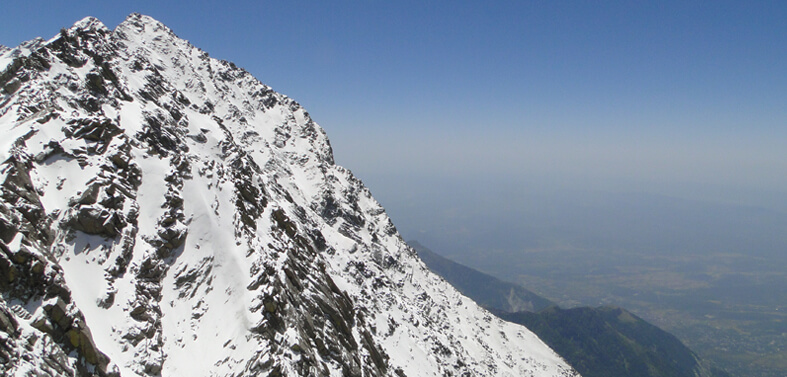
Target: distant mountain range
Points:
(597, 342)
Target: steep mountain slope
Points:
(165, 213)
(604, 341)
(610, 341)
(484, 289)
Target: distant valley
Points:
(710, 273)
(728, 308)
(597, 342)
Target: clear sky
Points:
(682, 98)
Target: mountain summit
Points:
(164, 213)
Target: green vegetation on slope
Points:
(610, 341)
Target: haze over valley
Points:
(620, 154)
(710, 273)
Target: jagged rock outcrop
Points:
(165, 214)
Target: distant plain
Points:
(711, 273)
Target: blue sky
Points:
(681, 98)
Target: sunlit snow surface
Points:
(423, 325)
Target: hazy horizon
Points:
(623, 153)
(678, 99)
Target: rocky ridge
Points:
(165, 213)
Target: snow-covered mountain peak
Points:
(164, 213)
(145, 27)
(90, 24)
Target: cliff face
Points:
(165, 213)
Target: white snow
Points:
(422, 324)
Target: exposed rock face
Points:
(165, 214)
